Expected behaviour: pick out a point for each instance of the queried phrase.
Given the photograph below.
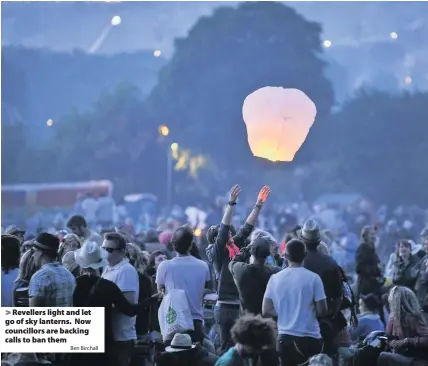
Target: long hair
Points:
(70, 243)
(402, 303)
(27, 266)
(137, 258)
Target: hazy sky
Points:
(154, 25)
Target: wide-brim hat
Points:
(46, 242)
(91, 255)
(310, 232)
(180, 343)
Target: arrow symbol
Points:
(7, 312)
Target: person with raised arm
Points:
(224, 246)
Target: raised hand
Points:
(234, 193)
(263, 195)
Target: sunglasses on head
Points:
(111, 250)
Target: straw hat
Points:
(91, 255)
(180, 342)
(310, 233)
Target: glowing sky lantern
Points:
(278, 121)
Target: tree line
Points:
(375, 143)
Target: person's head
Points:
(15, 231)
(182, 239)
(260, 249)
(9, 252)
(295, 251)
(156, 258)
(151, 236)
(115, 245)
(369, 234)
(267, 238)
(77, 224)
(137, 257)
(27, 266)
(165, 237)
(404, 248)
(91, 258)
(369, 303)
(213, 231)
(310, 235)
(403, 301)
(253, 334)
(70, 243)
(46, 248)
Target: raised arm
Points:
(226, 222)
(245, 231)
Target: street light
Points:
(164, 130)
(327, 43)
(116, 20)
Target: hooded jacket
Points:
(218, 255)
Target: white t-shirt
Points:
(189, 274)
(125, 277)
(293, 292)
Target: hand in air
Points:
(234, 193)
(263, 195)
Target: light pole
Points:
(173, 148)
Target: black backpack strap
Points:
(92, 291)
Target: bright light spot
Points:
(198, 232)
(393, 35)
(157, 53)
(174, 146)
(327, 43)
(408, 80)
(164, 130)
(116, 20)
(49, 123)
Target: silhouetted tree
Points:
(382, 142)
(224, 58)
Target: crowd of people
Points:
(309, 298)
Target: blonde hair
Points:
(264, 235)
(402, 301)
(70, 243)
(27, 266)
(137, 257)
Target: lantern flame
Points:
(278, 121)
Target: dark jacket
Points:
(198, 356)
(251, 280)
(421, 286)
(368, 271)
(406, 274)
(331, 277)
(218, 255)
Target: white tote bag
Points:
(174, 314)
